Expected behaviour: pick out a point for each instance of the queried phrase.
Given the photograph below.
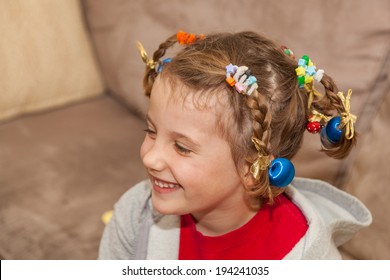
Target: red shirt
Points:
(269, 235)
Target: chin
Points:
(166, 208)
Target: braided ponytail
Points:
(150, 73)
(261, 121)
(328, 104)
(181, 37)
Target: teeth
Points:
(164, 185)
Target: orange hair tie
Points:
(185, 38)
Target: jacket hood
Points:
(334, 217)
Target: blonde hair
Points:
(276, 113)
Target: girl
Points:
(225, 116)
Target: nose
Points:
(152, 155)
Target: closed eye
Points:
(182, 150)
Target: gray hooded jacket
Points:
(136, 231)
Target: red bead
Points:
(313, 127)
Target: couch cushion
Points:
(46, 56)
(349, 39)
(59, 172)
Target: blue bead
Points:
(332, 131)
(324, 140)
(310, 70)
(302, 62)
(281, 172)
(165, 61)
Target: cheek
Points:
(223, 169)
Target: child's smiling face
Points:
(190, 165)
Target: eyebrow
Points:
(177, 135)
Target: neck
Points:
(214, 224)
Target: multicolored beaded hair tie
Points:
(280, 170)
(241, 78)
(307, 72)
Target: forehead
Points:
(177, 93)
(174, 103)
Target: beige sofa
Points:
(71, 107)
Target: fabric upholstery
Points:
(59, 172)
(46, 56)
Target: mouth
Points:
(164, 186)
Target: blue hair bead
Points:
(311, 70)
(165, 61)
(281, 172)
(331, 134)
(302, 62)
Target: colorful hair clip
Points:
(241, 78)
(185, 38)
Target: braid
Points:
(261, 120)
(150, 74)
(329, 102)
(326, 104)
